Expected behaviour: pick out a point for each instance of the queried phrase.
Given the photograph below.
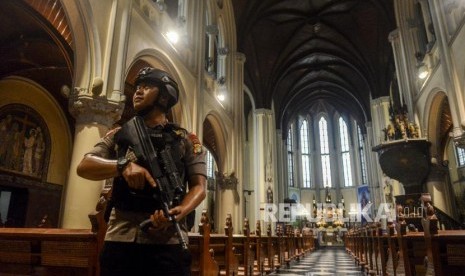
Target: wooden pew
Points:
(48, 251)
(445, 248)
(272, 255)
(432, 252)
(278, 247)
(393, 251)
(222, 245)
(366, 250)
(290, 246)
(360, 248)
(369, 248)
(260, 249)
(299, 244)
(244, 250)
(203, 263)
(352, 243)
(383, 247)
(413, 248)
(370, 236)
(308, 240)
(375, 266)
(400, 252)
(448, 252)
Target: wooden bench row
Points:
(42, 251)
(399, 252)
(248, 253)
(51, 251)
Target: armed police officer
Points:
(128, 248)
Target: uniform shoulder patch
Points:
(196, 143)
(180, 133)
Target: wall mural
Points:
(24, 140)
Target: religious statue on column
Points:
(269, 195)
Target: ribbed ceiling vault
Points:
(301, 52)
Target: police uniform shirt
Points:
(123, 226)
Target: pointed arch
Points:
(214, 138)
(438, 126)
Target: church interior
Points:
(334, 130)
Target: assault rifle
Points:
(169, 187)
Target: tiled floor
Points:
(326, 261)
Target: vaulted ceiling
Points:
(301, 54)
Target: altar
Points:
(330, 236)
(328, 227)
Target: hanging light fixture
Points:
(422, 71)
(172, 36)
(221, 89)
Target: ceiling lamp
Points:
(221, 89)
(173, 36)
(221, 97)
(422, 72)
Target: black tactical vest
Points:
(146, 200)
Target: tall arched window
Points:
(304, 141)
(361, 150)
(290, 158)
(345, 152)
(460, 156)
(210, 165)
(324, 152)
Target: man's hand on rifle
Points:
(160, 221)
(136, 176)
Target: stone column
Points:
(380, 118)
(212, 32)
(94, 116)
(402, 73)
(229, 195)
(374, 172)
(428, 23)
(231, 199)
(265, 164)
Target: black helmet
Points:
(163, 80)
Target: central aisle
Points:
(326, 261)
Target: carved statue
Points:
(388, 189)
(228, 225)
(390, 133)
(204, 221)
(430, 213)
(268, 230)
(258, 228)
(400, 127)
(269, 195)
(246, 227)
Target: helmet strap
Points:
(156, 103)
(162, 100)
